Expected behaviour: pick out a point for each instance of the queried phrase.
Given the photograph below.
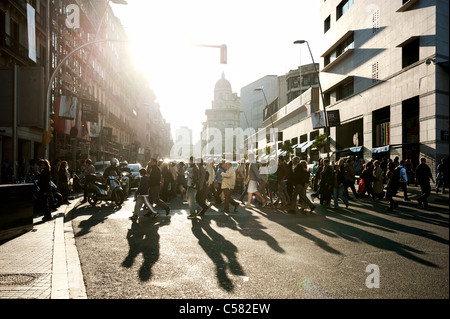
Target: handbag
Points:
(361, 186)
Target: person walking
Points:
(43, 182)
(282, 181)
(154, 184)
(403, 180)
(200, 197)
(350, 179)
(300, 181)
(218, 188)
(191, 191)
(326, 183)
(228, 183)
(338, 185)
(181, 180)
(423, 176)
(391, 185)
(63, 181)
(253, 179)
(377, 181)
(367, 177)
(441, 176)
(89, 177)
(210, 180)
(141, 197)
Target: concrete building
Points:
(253, 102)
(385, 69)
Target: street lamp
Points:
(327, 128)
(271, 119)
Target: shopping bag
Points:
(361, 186)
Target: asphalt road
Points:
(361, 252)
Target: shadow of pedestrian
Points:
(143, 237)
(216, 246)
(101, 213)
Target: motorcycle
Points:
(125, 182)
(78, 183)
(109, 191)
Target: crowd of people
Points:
(278, 182)
(282, 182)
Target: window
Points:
(338, 92)
(343, 7)
(344, 46)
(410, 52)
(327, 24)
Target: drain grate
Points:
(17, 279)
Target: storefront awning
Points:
(300, 145)
(306, 146)
(356, 149)
(381, 149)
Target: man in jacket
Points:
(154, 184)
(423, 176)
(403, 180)
(299, 181)
(200, 198)
(326, 183)
(228, 183)
(141, 197)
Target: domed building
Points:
(225, 113)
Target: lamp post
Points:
(327, 128)
(271, 119)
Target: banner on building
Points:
(89, 111)
(95, 130)
(31, 32)
(318, 120)
(333, 118)
(68, 107)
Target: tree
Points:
(320, 141)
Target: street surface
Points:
(264, 253)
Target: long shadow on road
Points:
(352, 224)
(215, 245)
(143, 237)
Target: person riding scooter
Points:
(112, 169)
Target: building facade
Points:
(385, 69)
(224, 114)
(95, 95)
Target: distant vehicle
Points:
(135, 176)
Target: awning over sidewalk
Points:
(356, 149)
(306, 146)
(381, 149)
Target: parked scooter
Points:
(110, 191)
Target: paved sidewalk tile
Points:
(26, 263)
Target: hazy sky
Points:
(259, 35)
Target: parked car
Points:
(135, 176)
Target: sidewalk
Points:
(43, 263)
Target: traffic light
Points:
(223, 54)
(48, 135)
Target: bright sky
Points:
(259, 35)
